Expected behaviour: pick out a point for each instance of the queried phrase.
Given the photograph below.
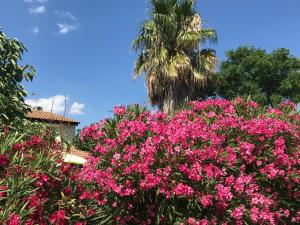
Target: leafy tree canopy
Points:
(12, 74)
(267, 78)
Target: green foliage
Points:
(267, 78)
(103, 215)
(177, 67)
(12, 74)
(35, 185)
(78, 144)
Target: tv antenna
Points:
(65, 111)
(52, 104)
(35, 97)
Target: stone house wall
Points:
(66, 130)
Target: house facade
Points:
(66, 127)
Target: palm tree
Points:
(176, 68)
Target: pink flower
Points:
(275, 111)
(238, 212)
(253, 104)
(211, 114)
(6, 130)
(204, 222)
(286, 213)
(3, 189)
(288, 104)
(4, 160)
(239, 156)
(206, 200)
(101, 149)
(117, 156)
(119, 110)
(14, 219)
(58, 217)
(183, 190)
(150, 181)
(191, 221)
(67, 191)
(229, 180)
(240, 183)
(258, 163)
(224, 193)
(42, 179)
(246, 150)
(34, 201)
(254, 214)
(35, 140)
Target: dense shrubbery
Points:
(217, 162)
(35, 186)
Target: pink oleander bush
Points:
(216, 162)
(35, 186)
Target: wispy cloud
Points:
(64, 28)
(77, 108)
(37, 10)
(35, 30)
(37, 1)
(66, 15)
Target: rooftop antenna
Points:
(65, 111)
(36, 96)
(52, 105)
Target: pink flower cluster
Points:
(35, 186)
(217, 162)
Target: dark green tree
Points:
(266, 78)
(176, 65)
(12, 74)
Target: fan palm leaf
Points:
(170, 54)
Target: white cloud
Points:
(77, 108)
(35, 30)
(56, 103)
(64, 28)
(38, 1)
(37, 10)
(65, 14)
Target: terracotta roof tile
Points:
(51, 117)
(79, 153)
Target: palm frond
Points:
(198, 75)
(188, 40)
(139, 42)
(170, 54)
(139, 66)
(163, 6)
(171, 70)
(185, 8)
(208, 35)
(208, 59)
(163, 54)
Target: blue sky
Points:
(81, 48)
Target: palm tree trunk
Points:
(175, 97)
(168, 105)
